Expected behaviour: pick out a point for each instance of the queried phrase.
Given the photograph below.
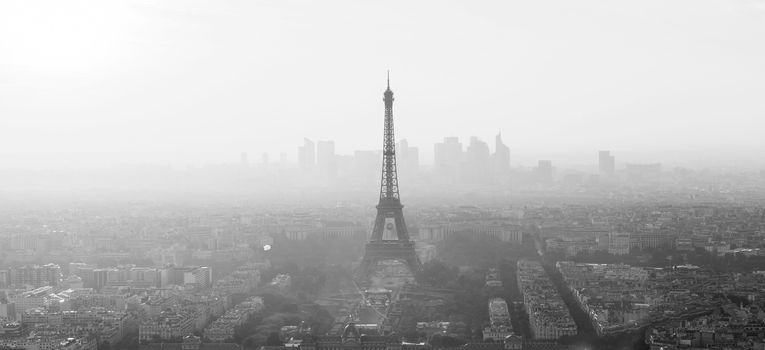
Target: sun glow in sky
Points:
(258, 76)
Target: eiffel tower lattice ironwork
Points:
(390, 216)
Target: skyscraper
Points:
(501, 156)
(409, 157)
(306, 155)
(448, 154)
(325, 153)
(325, 160)
(606, 162)
(544, 171)
(478, 161)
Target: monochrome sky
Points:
(186, 76)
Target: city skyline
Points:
(126, 79)
(710, 158)
(222, 175)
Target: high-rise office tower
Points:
(544, 171)
(448, 154)
(478, 160)
(325, 153)
(606, 162)
(409, 157)
(325, 160)
(306, 155)
(501, 156)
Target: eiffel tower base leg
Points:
(377, 251)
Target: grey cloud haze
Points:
(258, 76)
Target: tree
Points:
(249, 343)
(445, 341)
(273, 339)
(411, 336)
(437, 273)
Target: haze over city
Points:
(195, 82)
(390, 175)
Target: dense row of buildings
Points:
(728, 326)
(33, 275)
(50, 342)
(686, 306)
(141, 277)
(549, 317)
(614, 296)
(435, 225)
(435, 232)
(87, 317)
(499, 326)
(718, 230)
(105, 287)
(223, 329)
(80, 329)
(172, 317)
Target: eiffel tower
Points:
(390, 217)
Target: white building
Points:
(200, 276)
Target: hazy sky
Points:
(258, 76)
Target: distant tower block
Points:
(606, 162)
(390, 238)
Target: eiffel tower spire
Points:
(389, 183)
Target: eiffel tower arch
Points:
(390, 238)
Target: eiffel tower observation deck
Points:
(390, 216)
